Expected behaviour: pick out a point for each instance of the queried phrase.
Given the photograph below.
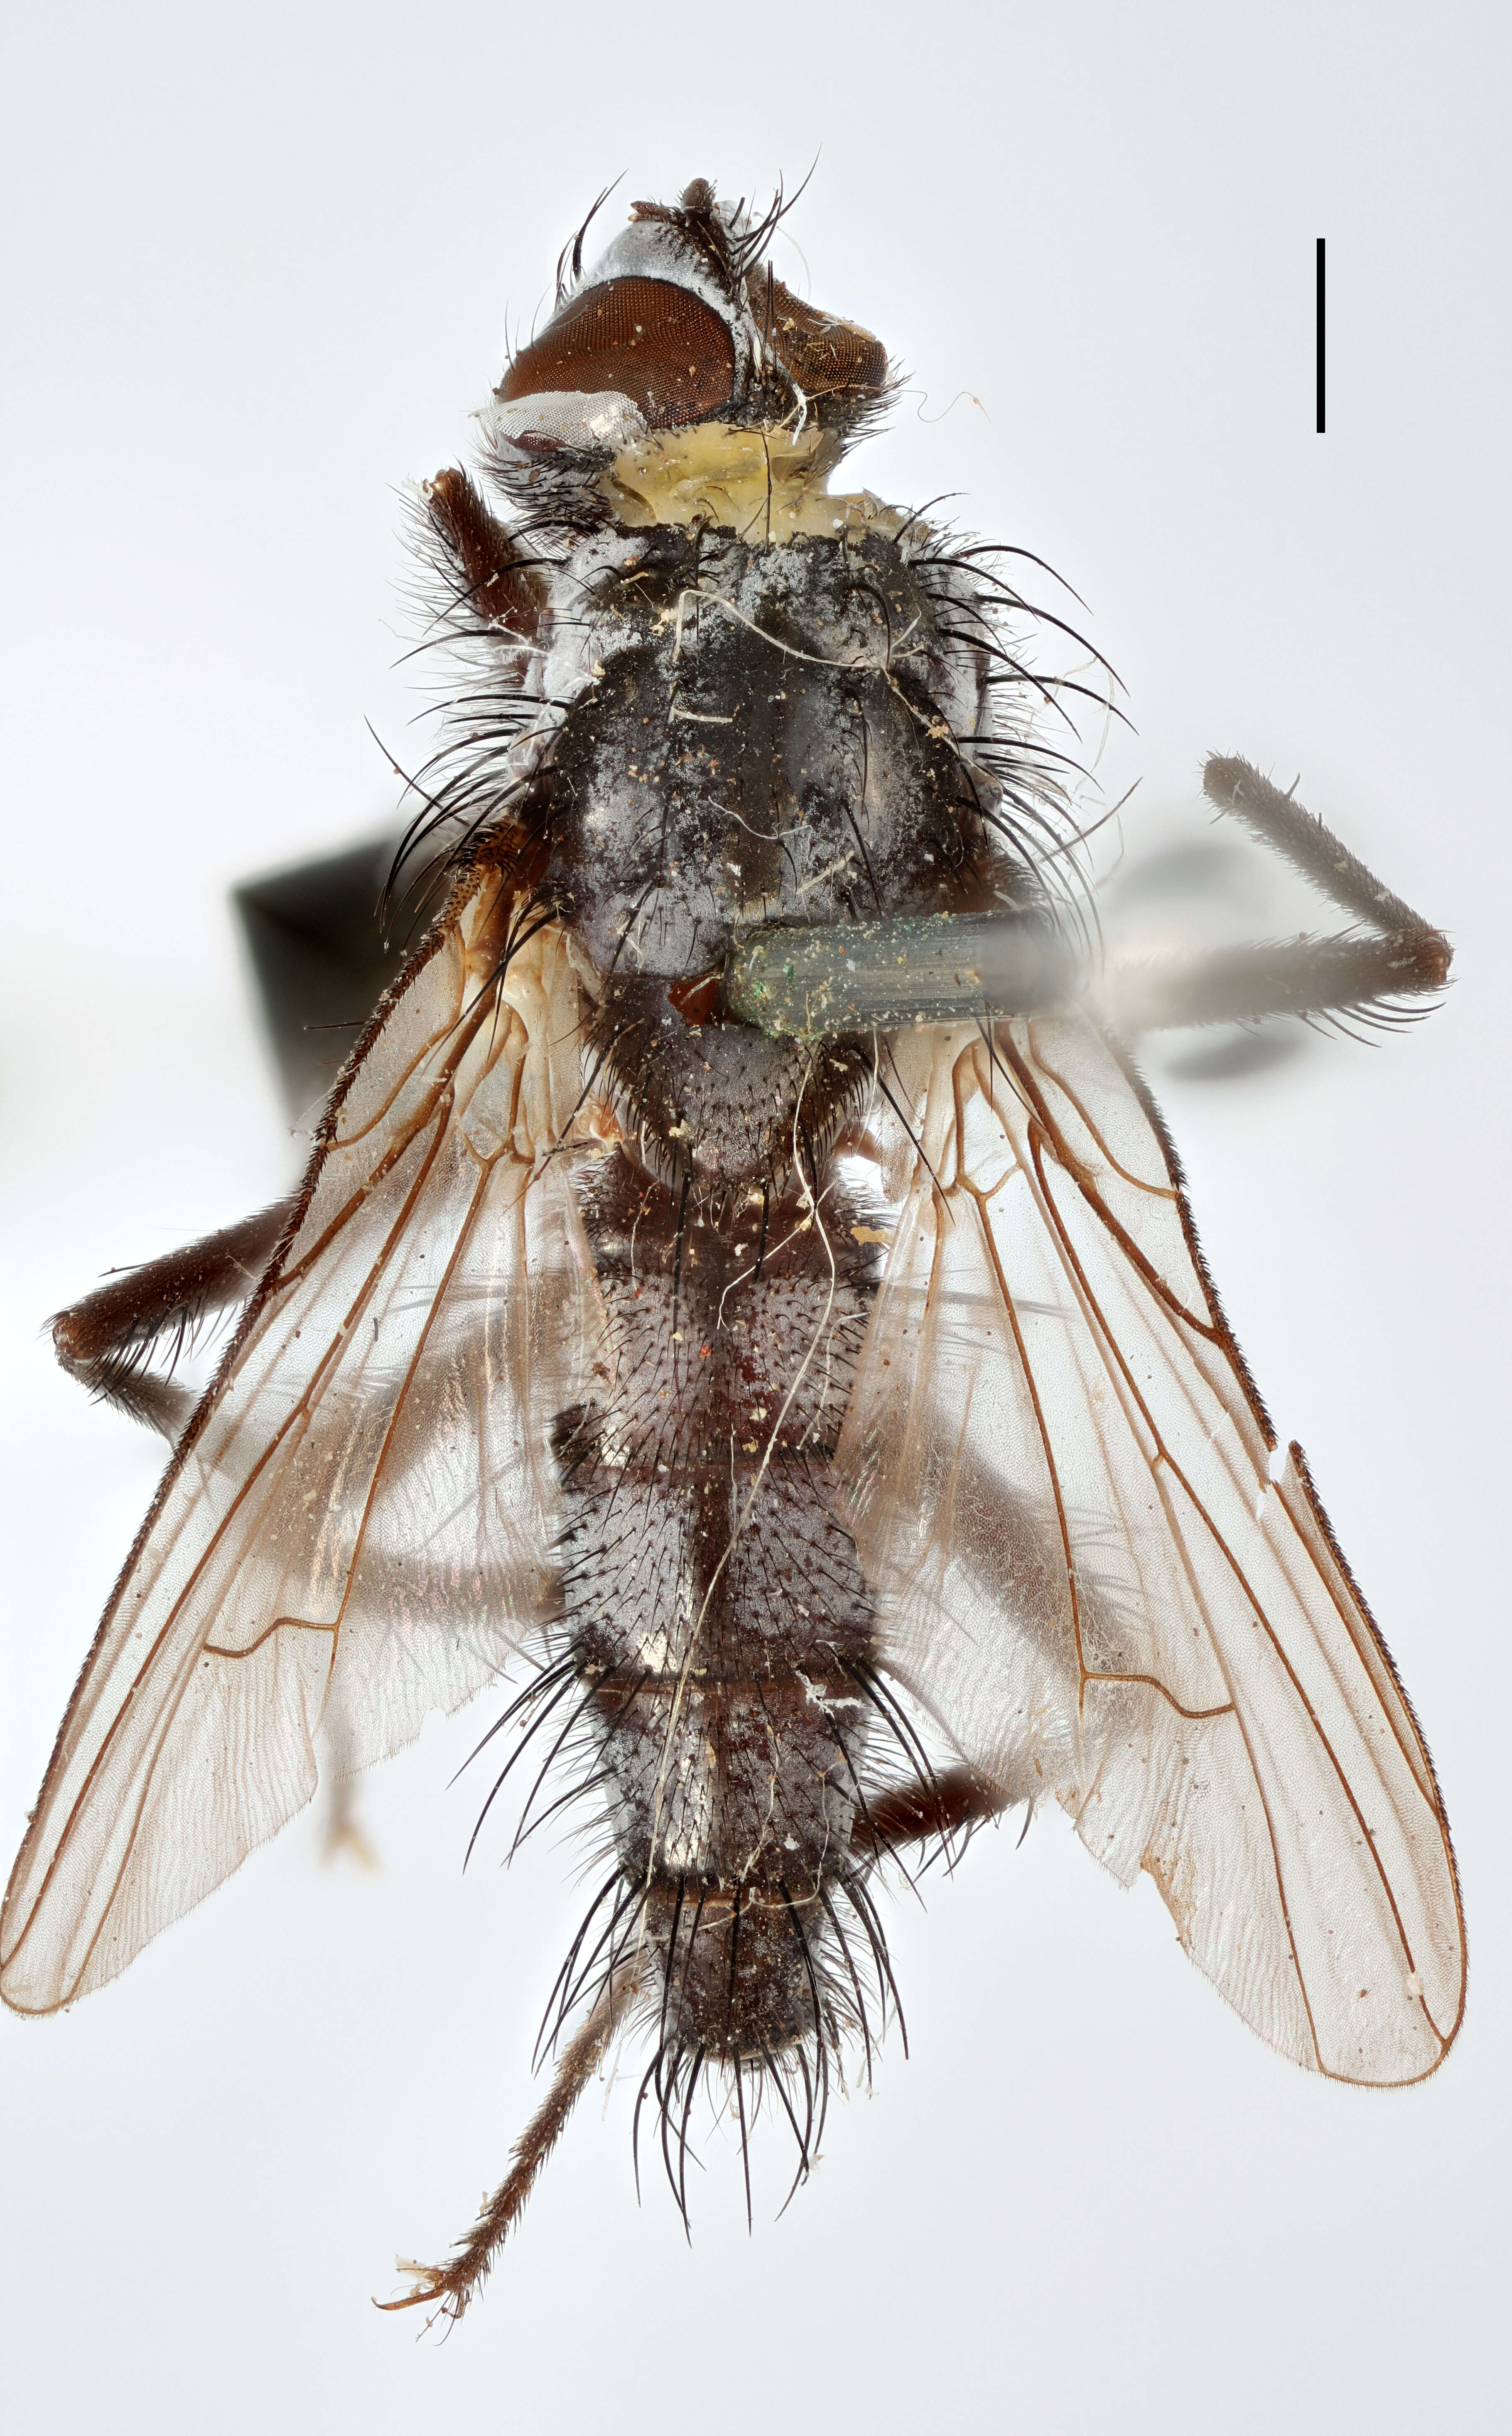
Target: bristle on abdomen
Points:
(716, 1620)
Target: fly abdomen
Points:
(713, 1606)
(731, 1780)
(734, 1810)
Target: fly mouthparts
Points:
(820, 981)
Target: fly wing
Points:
(357, 1525)
(1058, 1476)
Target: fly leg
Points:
(1395, 954)
(107, 1340)
(450, 2288)
(1292, 831)
(935, 1811)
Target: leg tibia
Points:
(927, 1812)
(1291, 830)
(1352, 975)
(106, 1340)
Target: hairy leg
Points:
(1368, 972)
(450, 2288)
(1292, 831)
(1365, 972)
(1350, 975)
(106, 1340)
(928, 1812)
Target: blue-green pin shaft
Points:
(841, 976)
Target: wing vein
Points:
(1221, 1542)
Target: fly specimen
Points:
(740, 1280)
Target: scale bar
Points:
(1320, 338)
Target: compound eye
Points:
(827, 356)
(646, 339)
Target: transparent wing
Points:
(357, 1527)
(1059, 1478)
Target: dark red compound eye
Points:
(827, 356)
(648, 339)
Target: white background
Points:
(257, 267)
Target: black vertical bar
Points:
(1320, 334)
